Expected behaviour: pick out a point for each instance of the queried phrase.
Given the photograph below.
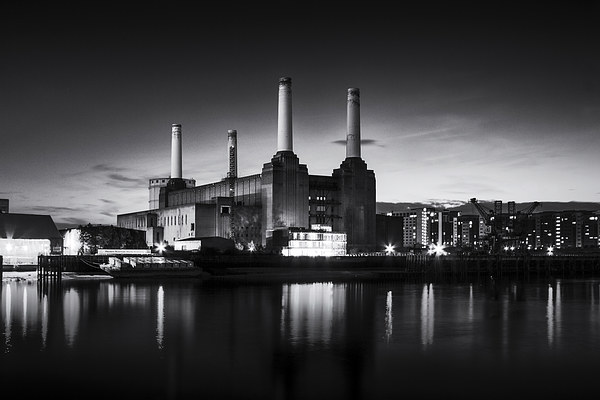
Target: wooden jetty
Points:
(54, 266)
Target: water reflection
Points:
(427, 315)
(71, 312)
(309, 311)
(7, 316)
(553, 313)
(44, 320)
(558, 311)
(318, 340)
(24, 302)
(470, 308)
(388, 316)
(160, 316)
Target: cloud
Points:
(56, 209)
(446, 203)
(65, 223)
(363, 142)
(122, 178)
(106, 168)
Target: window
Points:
(192, 226)
(225, 209)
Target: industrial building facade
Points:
(283, 196)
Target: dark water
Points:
(100, 338)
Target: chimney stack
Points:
(232, 151)
(353, 123)
(176, 151)
(284, 120)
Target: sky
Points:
(500, 102)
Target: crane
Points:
(504, 228)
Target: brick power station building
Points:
(283, 201)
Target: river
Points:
(97, 337)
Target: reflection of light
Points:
(71, 315)
(388, 315)
(437, 249)
(110, 295)
(309, 310)
(557, 311)
(160, 317)
(24, 311)
(427, 315)
(44, 320)
(471, 302)
(550, 316)
(7, 301)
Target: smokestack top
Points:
(353, 123)
(231, 131)
(354, 95)
(176, 169)
(284, 115)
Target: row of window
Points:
(175, 220)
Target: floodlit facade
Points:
(315, 243)
(23, 237)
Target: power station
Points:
(265, 208)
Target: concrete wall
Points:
(357, 208)
(247, 191)
(284, 193)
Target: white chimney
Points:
(176, 151)
(353, 123)
(284, 120)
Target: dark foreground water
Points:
(101, 338)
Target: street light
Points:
(160, 247)
(437, 249)
(389, 249)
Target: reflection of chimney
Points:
(232, 150)
(284, 121)
(176, 151)
(353, 123)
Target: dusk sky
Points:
(494, 103)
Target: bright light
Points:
(437, 249)
(550, 250)
(505, 248)
(389, 249)
(160, 247)
(251, 246)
